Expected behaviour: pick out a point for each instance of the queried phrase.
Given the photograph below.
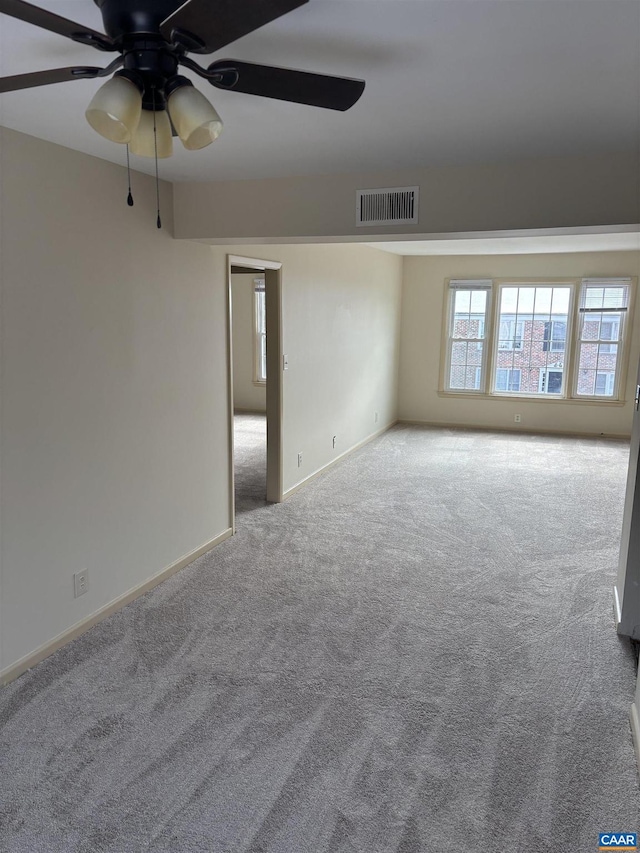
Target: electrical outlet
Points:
(299, 460)
(80, 583)
(517, 418)
(335, 438)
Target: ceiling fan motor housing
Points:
(152, 60)
(135, 27)
(123, 18)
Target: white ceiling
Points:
(448, 81)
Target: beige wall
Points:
(341, 318)
(559, 192)
(422, 318)
(114, 420)
(246, 394)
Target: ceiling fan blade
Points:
(204, 26)
(44, 78)
(48, 21)
(285, 84)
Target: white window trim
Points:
(570, 373)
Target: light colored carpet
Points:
(415, 653)
(250, 463)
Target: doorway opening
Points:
(255, 384)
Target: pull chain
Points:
(129, 197)
(155, 144)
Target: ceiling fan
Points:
(146, 101)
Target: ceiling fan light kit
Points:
(120, 109)
(194, 118)
(116, 108)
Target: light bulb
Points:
(143, 142)
(114, 111)
(195, 120)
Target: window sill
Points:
(260, 383)
(571, 401)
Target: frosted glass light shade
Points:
(142, 141)
(114, 111)
(195, 120)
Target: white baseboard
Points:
(634, 720)
(613, 436)
(335, 461)
(16, 669)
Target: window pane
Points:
(604, 296)
(469, 311)
(263, 357)
(587, 382)
(591, 327)
(558, 335)
(478, 301)
(604, 384)
(508, 380)
(462, 302)
(511, 334)
(260, 307)
(514, 381)
(261, 313)
(465, 373)
(550, 382)
(468, 326)
(554, 383)
(532, 334)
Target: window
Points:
(550, 382)
(539, 313)
(602, 313)
(609, 331)
(555, 335)
(605, 382)
(260, 339)
(466, 354)
(508, 380)
(540, 339)
(510, 333)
